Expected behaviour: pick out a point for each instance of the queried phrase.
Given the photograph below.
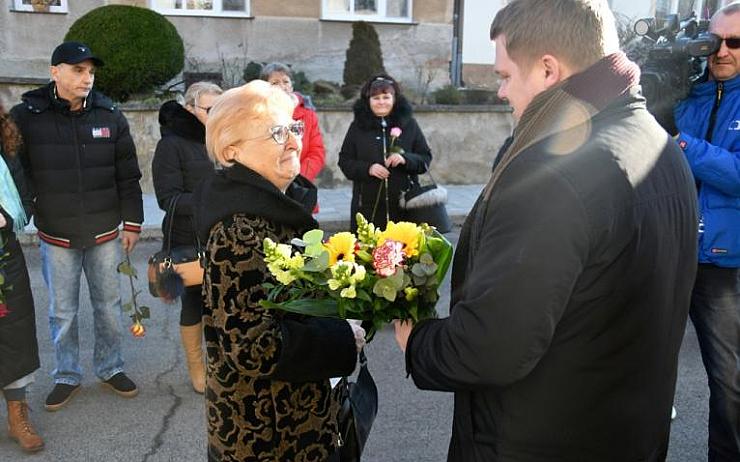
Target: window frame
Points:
(216, 12)
(382, 6)
(62, 8)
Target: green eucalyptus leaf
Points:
(315, 236)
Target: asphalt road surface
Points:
(166, 421)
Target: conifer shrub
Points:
(364, 56)
(141, 49)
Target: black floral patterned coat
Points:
(268, 396)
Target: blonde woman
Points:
(268, 395)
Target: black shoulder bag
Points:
(359, 407)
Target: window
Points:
(368, 10)
(238, 8)
(41, 6)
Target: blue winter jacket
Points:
(716, 167)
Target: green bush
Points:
(448, 94)
(141, 49)
(364, 56)
(252, 71)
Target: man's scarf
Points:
(566, 110)
(10, 201)
(570, 104)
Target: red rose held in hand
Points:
(387, 257)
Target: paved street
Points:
(166, 421)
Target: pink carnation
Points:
(395, 132)
(387, 257)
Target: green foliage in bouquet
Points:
(375, 275)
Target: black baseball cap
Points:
(73, 53)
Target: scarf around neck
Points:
(571, 103)
(10, 200)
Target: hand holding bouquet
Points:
(375, 275)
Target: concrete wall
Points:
(463, 139)
(280, 30)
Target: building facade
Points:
(224, 35)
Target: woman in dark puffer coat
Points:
(19, 353)
(180, 163)
(380, 109)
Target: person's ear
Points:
(554, 70)
(231, 153)
(54, 72)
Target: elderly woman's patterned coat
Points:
(268, 396)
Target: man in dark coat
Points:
(82, 162)
(573, 273)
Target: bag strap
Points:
(171, 217)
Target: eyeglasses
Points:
(280, 133)
(207, 109)
(733, 43)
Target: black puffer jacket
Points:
(363, 146)
(83, 168)
(180, 163)
(19, 355)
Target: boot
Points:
(191, 342)
(20, 428)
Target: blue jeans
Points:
(715, 312)
(62, 269)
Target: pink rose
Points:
(3, 310)
(395, 132)
(387, 257)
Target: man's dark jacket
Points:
(83, 168)
(180, 163)
(570, 293)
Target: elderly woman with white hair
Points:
(268, 395)
(180, 163)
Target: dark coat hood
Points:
(238, 189)
(402, 112)
(173, 118)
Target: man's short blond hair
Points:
(198, 89)
(236, 111)
(578, 32)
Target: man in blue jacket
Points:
(709, 124)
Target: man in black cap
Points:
(81, 159)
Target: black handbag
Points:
(173, 268)
(359, 401)
(425, 204)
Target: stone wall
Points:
(464, 139)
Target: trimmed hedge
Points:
(141, 48)
(364, 56)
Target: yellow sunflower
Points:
(404, 232)
(341, 246)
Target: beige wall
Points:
(291, 8)
(433, 11)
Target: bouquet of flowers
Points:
(376, 275)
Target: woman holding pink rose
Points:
(384, 149)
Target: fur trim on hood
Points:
(175, 119)
(365, 119)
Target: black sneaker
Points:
(60, 396)
(122, 385)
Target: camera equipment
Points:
(674, 61)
